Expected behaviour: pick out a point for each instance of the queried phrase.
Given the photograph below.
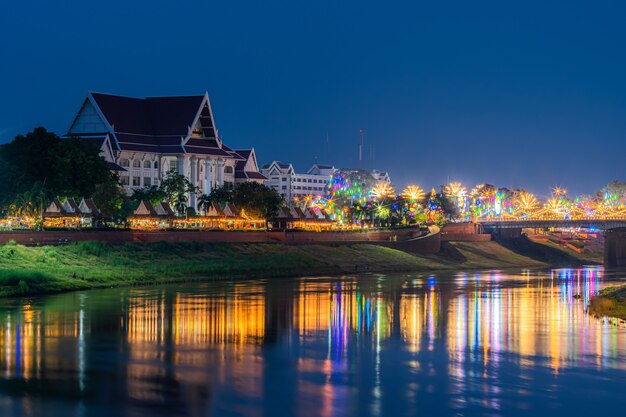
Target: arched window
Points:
(136, 163)
(147, 164)
(228, 170)
(124, 162)
(156, 164)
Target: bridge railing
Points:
(535, 219)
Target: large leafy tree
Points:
(40, 165)
(175, 188)
(153, 194)
(110, 198)
(257, 200)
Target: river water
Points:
(486, 343)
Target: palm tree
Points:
(204, 203)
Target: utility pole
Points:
(360, 148)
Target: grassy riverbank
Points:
(610, 302)
(35, 270)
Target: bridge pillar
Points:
(504, 233)
(615, 247)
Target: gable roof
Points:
(215, 210)
(55, 208)
(163, 209)
(70, 206)
(152, 116)
(87, 206)
(145, 209)
(280, 166)
(177, 124)
(242, 166)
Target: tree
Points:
(204, 202)
(153, 194)
(614, 190)
(220, 195)
(448, 208)
(109, 197)
(175, 188)
(40, 165)
(257, 200)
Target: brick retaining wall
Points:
(461, 237)
(401, 239)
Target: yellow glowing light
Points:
(454, 189)
(553, 204)
(413, 192)
(526, 202)
(383, 190)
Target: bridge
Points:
(597, 223)
(614, 228)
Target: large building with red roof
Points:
(143, 139)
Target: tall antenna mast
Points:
(360, 148)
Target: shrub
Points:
(93, 247)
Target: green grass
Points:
(83, 265)
(551, 253)
(610, 302)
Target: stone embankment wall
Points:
(464, 232)
(399, 238)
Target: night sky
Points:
(525, 94)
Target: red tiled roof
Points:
(249, 175)
(207, 151)
(153, 116)
(158, 124)
(149, 208)
(255, 175)
(92, 206)
(115, 167)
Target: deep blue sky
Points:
(526, 93)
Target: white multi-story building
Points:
(381, 176)
(291, 185)
(143, 139)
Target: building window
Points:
(156, 165)
(136, 182)
(136, 163)
(228, 170)
(228, 185)
(124, 162)
(147, 181)
(284, 187)
(124, 180)
(147, 164)
(283, 179)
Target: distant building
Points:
(143, 139)
(247, 170)
(292, 185)
(381, 176)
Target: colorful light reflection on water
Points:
(480, 343)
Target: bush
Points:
(93, 247)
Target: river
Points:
(487, 343)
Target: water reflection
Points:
(479, 343)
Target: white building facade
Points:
(381, 176)
(143, 139)
(292, 185)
